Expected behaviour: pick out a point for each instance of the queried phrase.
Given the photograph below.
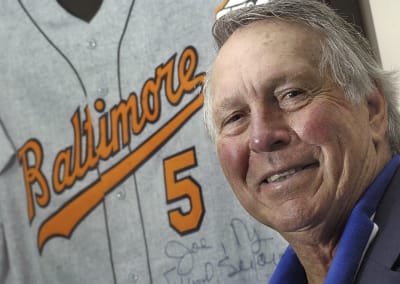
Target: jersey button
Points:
(92, 44)
(121, 194)
(102, 92)
(133, 278)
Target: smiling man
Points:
(306, 128)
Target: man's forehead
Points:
(299, 74)
(277, 26)
(271, 34)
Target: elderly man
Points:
(306, 128)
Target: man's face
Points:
(295, 152)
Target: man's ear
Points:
(378, 116)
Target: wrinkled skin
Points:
(276, 114)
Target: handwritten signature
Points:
(201, 262)
(184, 255)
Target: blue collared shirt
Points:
(353, 243)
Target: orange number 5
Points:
(184, 188)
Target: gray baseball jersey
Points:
(106, 174)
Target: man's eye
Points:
(293, 99)
(232, 118)
(294, 93)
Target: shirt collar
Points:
(357, 234)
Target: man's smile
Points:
(285, 174)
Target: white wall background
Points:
(382, 23)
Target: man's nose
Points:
(268, 134)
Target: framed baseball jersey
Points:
(106, 173)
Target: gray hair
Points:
(346, 56)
